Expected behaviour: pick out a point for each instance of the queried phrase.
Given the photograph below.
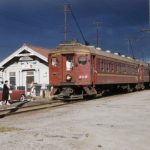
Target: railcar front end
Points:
(70, 72)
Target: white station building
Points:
(27, 65)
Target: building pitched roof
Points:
(40, 50)
(34, 50)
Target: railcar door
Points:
(68, 68)
(93, 69)
(140, 74)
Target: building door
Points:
(29, 80)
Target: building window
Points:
(12, 78)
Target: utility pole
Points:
(98, 25)
(148, 30)
(130, 47)
(66, 11)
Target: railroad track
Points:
(33, 106)
(20, 108)
(27, 106)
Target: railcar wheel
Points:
(142, 87)
(129, 89)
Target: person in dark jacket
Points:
(5, 95)
(1, 87)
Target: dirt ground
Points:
(119, 122)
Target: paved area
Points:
(120, 122)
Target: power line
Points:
(68, 8)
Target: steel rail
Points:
(34, 107)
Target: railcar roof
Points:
(74, 47)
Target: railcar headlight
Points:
(68, 77)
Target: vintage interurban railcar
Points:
(77, 70)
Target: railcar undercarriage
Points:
(68, 92)
(81, 92)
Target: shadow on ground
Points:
(14, 109)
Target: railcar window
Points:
(108, 67)
(98, 65)
(123, 68)
(69, 63)
(82, 60)
(115, 67)
(54, 61)
(136, 69)
(147, 71)
(118, 68)
(129, 69)
(105, 66)
(133, 70)
(112, 67)
(102, 66)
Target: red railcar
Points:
(77, 70)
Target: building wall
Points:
(23, 69)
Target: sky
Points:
(41, 23)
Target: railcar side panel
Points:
(115, 79)
(55, 67)
(110, 71)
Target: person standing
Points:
(5, 95)
(1, 87)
